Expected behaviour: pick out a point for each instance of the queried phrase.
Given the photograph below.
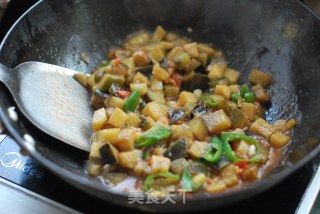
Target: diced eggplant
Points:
(115, 177)
(175, 114)
(98, 98)
(238, 119)
(200, 109)
(177, 149)
(220, 164)
(196, 167)
(107, 80)
(220, 81)
(198, 81)
(109, 154)
(146, 70)
(114, 88)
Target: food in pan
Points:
(172, 113)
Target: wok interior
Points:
(278, 37)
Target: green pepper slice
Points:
(132, 102)
(215, 152)
(227, 137)
(171, 178)
(208, 101)
(187, 183)
(153, 135)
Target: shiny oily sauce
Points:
(171, 113)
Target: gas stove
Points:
(28, 187)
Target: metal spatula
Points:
(52, 100)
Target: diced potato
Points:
(157, 96)
(250, 173)
(291, 124)
(278, 140)
(203, 58)
(217, 71)
(129, 159)
(182, 60)
(171, 91)
(109, 135)
(198, 148)
(160, 73)
(229, 175)
(140, 59)
(154, 110)
(221, 103)
(159, 164)
(95, 152)
(199, 128)
(223, 90)
(234, 88)
(109, 111)
(215, 187)
(159, 151)
(178, 166)
(175, 52)
(163, 120)
(238, 118)
(249, 110)
(156, 54)
(165, 46)
(146, 123)
(171, 37)
(260, 93)
(93, 168)
(140, 78)
(242, 149)
(133, 120)
(126, 139)
(199, 179)
(118, 118)
(217, 121)
(232, 74)
(186, 97)
(159, 34)
(114, 102)
(194, 64)
(142, 168)
(141, 86)
(262, 127)
(91, 80)
(191, 49)
(279, 125)
(179, 131)
(138, 39)
(206, 48)
(156, 84)
(259, 77)
(99, 119)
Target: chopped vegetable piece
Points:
(107, 81)
(132, 102)
(217, 121)
(129, 159)
(187, 183)
(171, 178)
(259, 77)
(229, 175)
(99, 119)
(262, 127)
(199, 128)
(126, 139)
(159, 164)
(109, 154)
(177, 166)
(235, 97)
(278, 140)
(232, 75)
(249, 110)
(226, 138)
(223, 90)
(118, 118)
(243, 89)
(249, 97)
(175, 114)
(198, 149)
(215, 151)
(208, 101)
(115, 177)
(260, 93)
(160, 73)
(177, 149)
(154, 110)
(123, 94)
(186, 97)
(153, 135)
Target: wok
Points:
(281, 37)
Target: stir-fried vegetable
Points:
(172, 113)
(153, 135)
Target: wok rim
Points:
(78, 180)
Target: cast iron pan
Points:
(281, 37)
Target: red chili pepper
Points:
(242, 164)
(177, 78)
(123, 94)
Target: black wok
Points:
(278, 36)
